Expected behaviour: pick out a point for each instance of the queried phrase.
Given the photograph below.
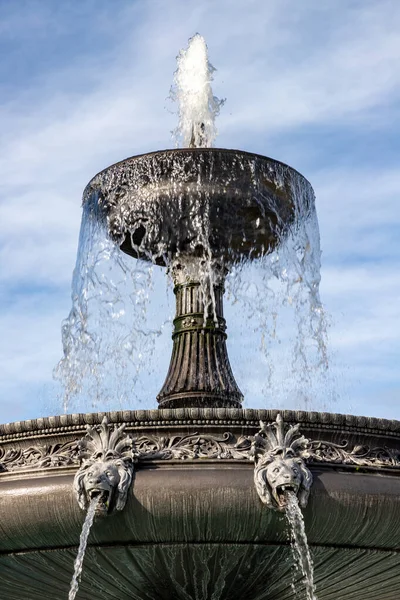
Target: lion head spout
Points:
(107, 466)
(279, 464)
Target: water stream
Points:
(78, 565)
(300, 549)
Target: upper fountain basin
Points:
(209, 202)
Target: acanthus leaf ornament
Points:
(193, 446)
(360, 455)
(40, 456)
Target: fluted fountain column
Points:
(199, 373)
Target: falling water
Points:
(300, 549)
(82, 548)
(108, 337)
(278, 298)
(197, 106)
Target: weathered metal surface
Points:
(193, 521)
(256, 572)
(106, 467)
(237, 201)
(199, 373)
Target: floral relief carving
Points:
(226, 446)
(193, 446)
(362, 456)
(41, 456)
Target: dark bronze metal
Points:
(238, 203)
(199, 373)
(193, 519)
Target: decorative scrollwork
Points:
(211, 446)
(193, 446)
(362, 456)
(40, 456)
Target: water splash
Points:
(277, 298)
(300, 549)
(78, 565)
(197, 106)
(106, 337)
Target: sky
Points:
(314, 84)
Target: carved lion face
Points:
(106, 480)
(283, 475)
(101, 481)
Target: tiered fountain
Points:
(193, 495)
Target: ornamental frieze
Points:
(196, 446)
(193, 446)
(40, 456)
(359, 455)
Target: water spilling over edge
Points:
(279, 302)
(106, 337)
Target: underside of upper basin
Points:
(199, 201)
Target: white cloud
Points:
(283, 66)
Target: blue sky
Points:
(85, 83)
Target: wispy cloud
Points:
(86, 84)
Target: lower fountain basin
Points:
(193, 526)
(199, 201)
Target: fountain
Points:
(189, 500)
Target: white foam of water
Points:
(197, 106)
(300, 549)
(78, 565)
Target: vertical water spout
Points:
(197, 105)
(78, 565)
(300, 548)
